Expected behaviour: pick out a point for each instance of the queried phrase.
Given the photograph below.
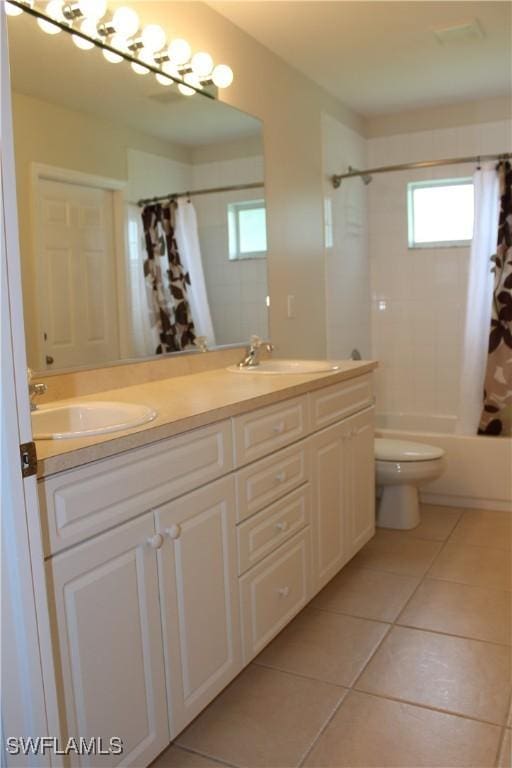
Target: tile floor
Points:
(404, 659)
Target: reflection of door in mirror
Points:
(77, 273)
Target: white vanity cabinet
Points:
(106, 611)
(199, 598)
(171, 566)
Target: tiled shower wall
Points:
(418, 296)
(346, 244)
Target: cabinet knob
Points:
(280, 477)
(283, 591)
(174, 532)
(279, 428)
(282, 526)
(156, 541)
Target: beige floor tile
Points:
(466, 677)
(371, 732)
(325, 646)
(505, 760)
(480, 566)
(174, 757)
(264, 718)
(460, 609)
(483, 528)
(436, 522)
(397, 552)
(366, 593)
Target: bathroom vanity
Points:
(173, 561)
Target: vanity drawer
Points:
(273, 592)
(339, 401)
(267, 530)
(269, 479)
(260, 432)
(80, 503)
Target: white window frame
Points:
(411, 186)
(233, 210)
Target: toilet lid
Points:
(403, 450)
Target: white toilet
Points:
(401, 467)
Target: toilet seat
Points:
(403, 450)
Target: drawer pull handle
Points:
(156, 541)
(283, 591)
(279, 428)
(280, 477)
(174, 532)
(282, 526)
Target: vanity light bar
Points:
(120, 38)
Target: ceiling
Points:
(52, 68)
(380, 57)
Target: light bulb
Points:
(179, 51)
(92, 9)
(202, 64)
(54, 10)
(170, 69)
(153, 38)
(116, 41)
(88, 27)
(222, 76)
(144, 56)
(192, 79)
(13, 10)
(125, 21)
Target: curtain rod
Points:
(336, 179)
(174, 195)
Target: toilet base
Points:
(398, 507)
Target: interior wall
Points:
(290, 106)
(347, 279)
(419, 295)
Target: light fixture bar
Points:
(105, 46)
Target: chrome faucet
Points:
(34, 390)
(252, 355)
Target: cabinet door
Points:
(329, 517)
(200, 606)
(109, 635)
(361, 466)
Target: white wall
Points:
(347, 291)
(418, 295)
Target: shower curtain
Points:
(167, 278)
(496, 418)
(479, 299)
(187, 237)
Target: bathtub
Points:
(478, 469)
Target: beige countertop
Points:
(183, 403)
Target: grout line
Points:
(322, 730)
(205, 755)
(452, 634)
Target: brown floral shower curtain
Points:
(167, 278)
(496, 418)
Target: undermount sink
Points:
(288, 366)
(57, 422)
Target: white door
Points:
(199, 594)
(329, 493)
(361, 468)
(75, 242)
(110, 642)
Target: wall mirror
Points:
(93, 139)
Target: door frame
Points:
(44, 172)
(26, 653)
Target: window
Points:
(247, 228)
(440, 213)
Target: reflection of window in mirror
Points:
(247, 226)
